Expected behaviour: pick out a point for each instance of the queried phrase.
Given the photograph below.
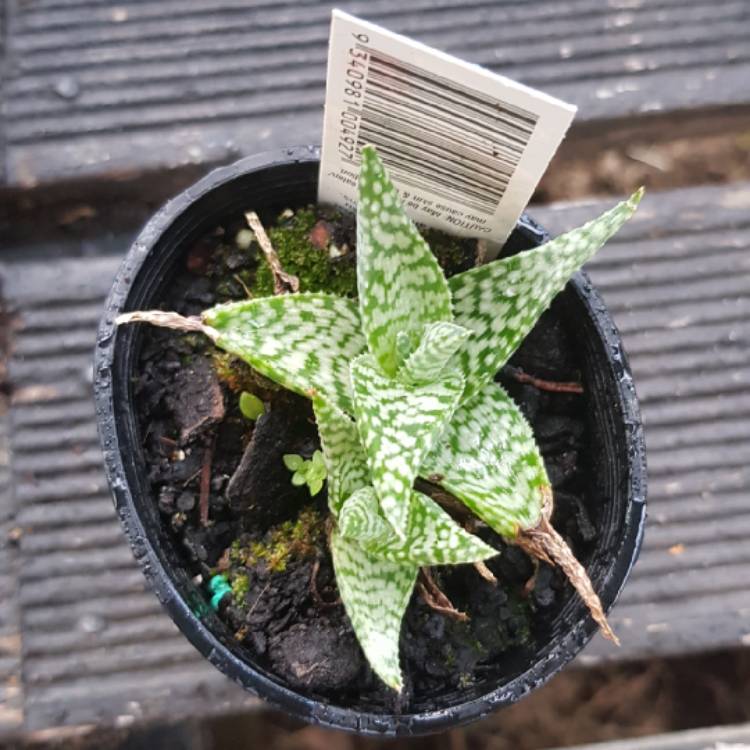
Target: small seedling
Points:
(312, 472)
(251, 406)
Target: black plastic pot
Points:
(269, 183)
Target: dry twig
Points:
(543, 385)
(255, 603)
(319, 600)
(283, 282)
(208, 457)
(544, 543)
(485, 572)
(435, 598)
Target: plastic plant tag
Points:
(464, 146)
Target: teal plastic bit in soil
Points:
(219, 588)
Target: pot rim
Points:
(555, 654)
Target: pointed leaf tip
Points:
(375, 594)
(501, 301)
(400, 283)
(432, 536)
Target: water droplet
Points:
(92, 623)
(67, 87)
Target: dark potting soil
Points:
(226, 498)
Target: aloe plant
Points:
(402, 386)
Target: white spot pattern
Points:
(488, 458)
(401, 286)
(438, 344)
(375, 593)
(302, 341)
(398, 425)
(345, 460)
(501, 301)
(432, 536)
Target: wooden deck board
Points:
(97, 647)
(92, 89)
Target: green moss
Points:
(236, 553)
(240, 588)
(314, 268)
(524, 615)
(288, 541)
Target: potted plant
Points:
(428, 584)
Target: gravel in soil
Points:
(267, 537)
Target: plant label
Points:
(464, 146)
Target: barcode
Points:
(465, 147)
(437, 135)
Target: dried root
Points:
(205, 486)
(315, 592)
(435, 598)
(552, 386)
(544, 543)
(283, 282)
(485, 572)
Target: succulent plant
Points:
(402, 385)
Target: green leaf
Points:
(251, 406)
(316, 472)
(346, 463)
(375, 594)
(439, 343)
(299, 478)
(432, 537)
(292, 461)
(360, 518)
(488, 458)
(304, 342)
(315, 484)
(318, 462)
(400, 284)
(398, 425)
(404, 345)
(501, 301)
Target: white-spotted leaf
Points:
(439, 343)
(375, 593)
(501, 301)
(488, 458)
(432, 536)
(361, 521)
(304, 342)
(344, 456)
(398, 425)
(401, 287)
